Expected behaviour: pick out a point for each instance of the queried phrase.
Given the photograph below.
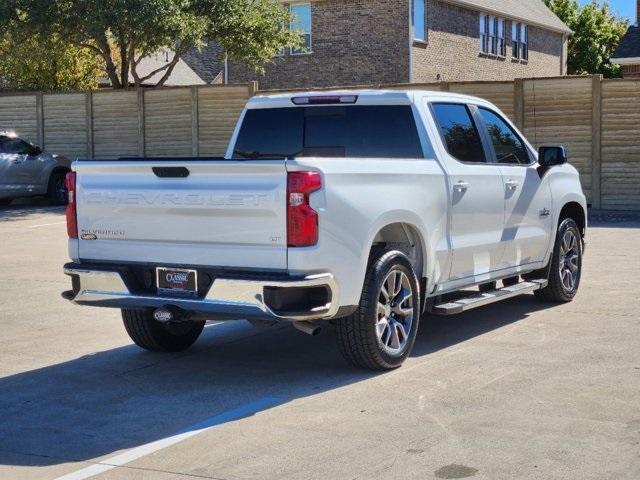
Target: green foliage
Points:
(45, 62)
(597, 32)
(123, 32)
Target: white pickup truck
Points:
(368, 209)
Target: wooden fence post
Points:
(596, 145)
(141, 122)
(253, 88)
(518, 103)
(89, 114)
(195, 123)
(40, 118)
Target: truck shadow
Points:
(123, 398)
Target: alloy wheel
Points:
(569, 261)
(395, 312)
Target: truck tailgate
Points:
(222, 213)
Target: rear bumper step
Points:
(227, 298)
(481, 299)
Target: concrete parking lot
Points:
(517, 390)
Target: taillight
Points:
(302, 220)
(71, 213)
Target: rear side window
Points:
(459, 132)
(509, 147)
(331, 131)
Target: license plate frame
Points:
(184, 281)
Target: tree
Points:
(122, 32)
(46, 62)
(597, 32)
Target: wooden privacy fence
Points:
(191, 121)
(597, 120)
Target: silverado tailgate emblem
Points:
(221, 199)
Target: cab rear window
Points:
(329, 131)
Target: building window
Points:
(301, 23)
(484, 39)
(520, 41)
(418, 19)
(502, 45)
(524, 41)
(492, 35)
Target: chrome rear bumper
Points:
(227, 298)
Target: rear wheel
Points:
(381, 333)
(57, 190)
(566, 265)
(148, 333)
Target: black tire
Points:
(148, 333)
(57, 191)
(5, 201)
(557, 291)
(357, 335)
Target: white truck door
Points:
(527, 196)
(476, 194)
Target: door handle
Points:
(461, 186)
(512, 184)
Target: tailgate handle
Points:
(171, 172)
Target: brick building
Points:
(350, 42)
(627, 54)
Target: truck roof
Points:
(364, 97)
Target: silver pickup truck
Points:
(366, 209)
(26, 171)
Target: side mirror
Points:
(35, 151)
(552, 156)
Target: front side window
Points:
(419, 20)
(509, 148)
(301, 23)
(459, 132)
(329, 131)
(14, 146)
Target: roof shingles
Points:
(629, 46)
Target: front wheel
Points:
(148, 333)
(566, 265)
(381, 333)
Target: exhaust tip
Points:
(309, 328)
